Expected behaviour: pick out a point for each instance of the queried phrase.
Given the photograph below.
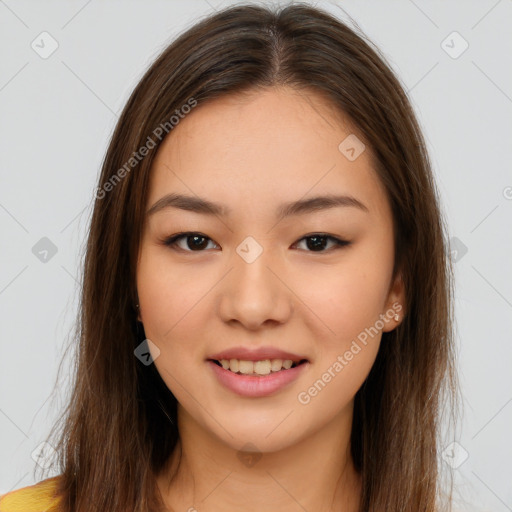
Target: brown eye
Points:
(197, 242)
(318, 241)
(193, 242)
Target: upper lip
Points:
(256, 354)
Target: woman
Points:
(266, 317)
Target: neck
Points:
(316, 473)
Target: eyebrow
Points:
(300, 207)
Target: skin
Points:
(252, 153)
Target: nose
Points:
(254, 292)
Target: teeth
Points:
(287, 364)
(264, 367)
(245, 367)
(276, 364)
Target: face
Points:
(247, 278)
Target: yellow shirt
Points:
(39, 497)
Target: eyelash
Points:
(171, 241)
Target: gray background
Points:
(57, 114)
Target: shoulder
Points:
(33, 498)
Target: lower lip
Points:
(253, 387)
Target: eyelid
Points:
(172, 240)
(339, 242)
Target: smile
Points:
(256, 378)
(257, 368)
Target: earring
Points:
(137, 306)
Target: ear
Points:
(395, 304)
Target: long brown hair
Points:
(120, 425)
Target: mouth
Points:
(258, 368)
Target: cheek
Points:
(167, 296)
(344, 300)
(170, 305)
(348, 331)
(344, 305)
(176, 314)
(332, 386)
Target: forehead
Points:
(264, 147)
